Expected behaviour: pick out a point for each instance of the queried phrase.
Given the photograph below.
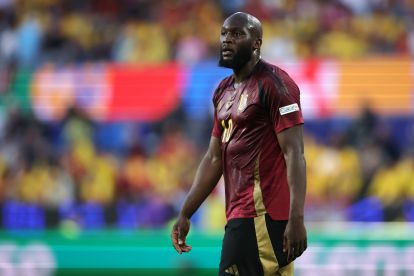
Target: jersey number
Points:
(228, 129)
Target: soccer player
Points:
(257, 145)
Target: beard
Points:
(239, 59)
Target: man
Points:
(257, 144)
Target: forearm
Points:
(296, 174)
(207, 176)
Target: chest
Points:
(241, 105)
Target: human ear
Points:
(257, 44)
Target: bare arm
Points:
(291, 143)
(208, 174)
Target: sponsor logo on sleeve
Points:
(289, 109)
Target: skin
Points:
(291, 143)
(241, 32)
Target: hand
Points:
(294, 240)
(179, 233)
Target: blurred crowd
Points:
(56, 173)
(358, 174)
(33, 32)
(61, 167)
(361, 173)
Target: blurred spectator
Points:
(97, 185)
(191, 48)
(142, 43)
(334, 177)
(407, 169)
(8, 38)
(232, 6)
(392, 196)
(29, 41)
(363, 128)
(133, 182)
(280, 45)
(77, 126)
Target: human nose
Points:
(226, 37)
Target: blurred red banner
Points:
(107, 92)
(144, 93)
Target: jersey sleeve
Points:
(282, 100)
(217, 129)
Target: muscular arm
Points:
(291, 143)
(208, 174)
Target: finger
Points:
(184, 245)
(181, 237)
(289, 250)
(177, 247)
(299, 250)
(303, 246)
(174, 237)
(285, 244)
(186, 248)
(293, 248)
(289, 254)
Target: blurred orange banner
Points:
(383, 84)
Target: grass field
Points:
(337, 249)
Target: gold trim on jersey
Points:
(266, 253)
(257, 191)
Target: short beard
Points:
(239, 60)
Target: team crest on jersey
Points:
(242, 102)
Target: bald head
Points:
(252, 23)
(241, 39)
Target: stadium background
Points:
(105, 112)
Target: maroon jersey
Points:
(246, 120)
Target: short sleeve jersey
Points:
(247, 120)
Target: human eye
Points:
(238, 34)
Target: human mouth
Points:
(226, 52)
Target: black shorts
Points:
(254, 246)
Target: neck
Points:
(243, 73)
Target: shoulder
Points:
(226, 82)
(273, 78)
